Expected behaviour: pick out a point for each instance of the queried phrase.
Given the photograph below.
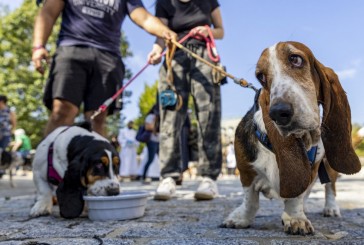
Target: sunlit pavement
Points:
(182, 220)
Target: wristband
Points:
(41, 46)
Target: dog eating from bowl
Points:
(77, 162)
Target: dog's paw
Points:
(332, 211)
(297, 225)
(40, 209)
(236, 220)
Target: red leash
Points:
(212, 52)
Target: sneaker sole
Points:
(162, 197)
(203, 196)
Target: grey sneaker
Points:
(207, 190)
(165, 190)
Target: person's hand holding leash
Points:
(40, 54)
(200, 30)
(155, 56)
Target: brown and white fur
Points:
(86, 161)
(294, 85)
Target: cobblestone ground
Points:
(183, 220)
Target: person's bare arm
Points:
(217, 31)
(16, 145)
(151, 24)
(43, 26)
(13, 121)
(154, 57)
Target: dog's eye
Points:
(261, 77)
(99, 166)
(296, 60)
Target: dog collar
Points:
(52, 175)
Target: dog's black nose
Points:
(281, 113)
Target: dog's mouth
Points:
(310, 136)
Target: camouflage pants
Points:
(191, 76)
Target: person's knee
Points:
(63, 112)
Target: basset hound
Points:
(272, 140)
(79, 162)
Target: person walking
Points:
(87, 66)
(7, 125)
(191, 77)
(7, 122)
(128, 153)
(151, 123)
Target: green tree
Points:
(18, 79)
(146, 100)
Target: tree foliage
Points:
(146, 100)
(18, 79)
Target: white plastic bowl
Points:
(127, 205)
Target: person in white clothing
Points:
(230, 159)
(128, 153)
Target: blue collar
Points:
(263, 138)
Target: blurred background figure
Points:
(358, 138)
(128, 153)
(7, 122)
(7, 125)
(230, 159)
(23, 146)
(153, 171)
(151, 123)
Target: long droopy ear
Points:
(291, 156)
(70, 193)
(336, 122)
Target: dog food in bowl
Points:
(126, 205)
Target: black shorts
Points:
(83, 75)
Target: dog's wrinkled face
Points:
(285, 70)
(101, 175)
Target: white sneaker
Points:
(165, 190)
(207, 190)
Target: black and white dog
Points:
(10, 160)
(78, 161)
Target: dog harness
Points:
(52, 175)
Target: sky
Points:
(332, 29)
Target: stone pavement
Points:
(183, 220)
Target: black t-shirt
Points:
(182, 17)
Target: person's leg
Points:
(65, 88)
(98, 123)
(208, 109)
(170, 127)
(171, 120)
(152, 150)
(63, 114)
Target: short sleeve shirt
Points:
(26, 145)
(95, 23)
(182, 17)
